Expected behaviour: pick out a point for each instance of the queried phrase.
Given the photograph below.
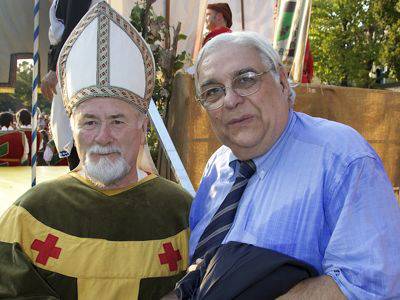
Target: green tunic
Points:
(65, 239)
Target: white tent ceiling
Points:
(16, 25)
(16, 36)
(258, 16)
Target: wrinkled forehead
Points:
(106, 106)
(219, 63)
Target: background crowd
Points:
(16, 140)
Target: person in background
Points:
(64, 16)
(23, 117)
(23, 123)
(218, 20)
(308, 65)
(42, 125)
(6, 121)
(17, 145)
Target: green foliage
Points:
(157, 34)
(349, 37)
(387, 16)
(22, 97)
(9, 102)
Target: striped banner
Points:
(291, 34)
(35, 82)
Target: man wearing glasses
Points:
(302, 186)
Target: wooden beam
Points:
(242, 10)
(200, 27)
(167, 11)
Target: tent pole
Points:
(242, 10)
(35, 82)
(169, 149)
(199, 32)
(167, 11)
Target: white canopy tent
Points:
(16, 24)
(16, 38)
(254, 15)
(257, 16)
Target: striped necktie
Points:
(222, 221)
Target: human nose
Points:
(231, 98)
(104, 134)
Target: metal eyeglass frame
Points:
(257, 75)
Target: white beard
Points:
(105, 172)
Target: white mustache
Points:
(97, 149)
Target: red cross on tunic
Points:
(46, 249)
(170, 257)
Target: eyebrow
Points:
(236, 73)
(117, 116)
(209, 82)
(91, 116)
(243, 71)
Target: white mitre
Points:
(105, 56)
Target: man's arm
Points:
(364, 218)
(322, 287)
(72, 12)
(48, 85)
(19, 277)
(364, 228)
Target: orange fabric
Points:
(11, 148)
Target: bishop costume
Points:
(67, 239)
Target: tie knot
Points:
(247, 168)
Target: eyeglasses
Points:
(246, 84)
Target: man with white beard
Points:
(111, 228)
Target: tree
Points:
(22, 97)
(350, 37)
(387, 16)
(168, 61)
(9, 102)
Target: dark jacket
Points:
(70, 12)
(243, 271)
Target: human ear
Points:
(283, 80)
(144, 130)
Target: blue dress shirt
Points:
(321, 195)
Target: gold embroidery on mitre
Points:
(103, 51)
(107, 91)
(106, 14)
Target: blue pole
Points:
(35, 82)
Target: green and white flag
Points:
(291, 33)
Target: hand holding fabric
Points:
(48, 85)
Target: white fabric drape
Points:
(258, 16)
(16, 33)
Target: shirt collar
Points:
(265, 161)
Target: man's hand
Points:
(195, 265)
(322, 287)
(48, 85)
(170, 296)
